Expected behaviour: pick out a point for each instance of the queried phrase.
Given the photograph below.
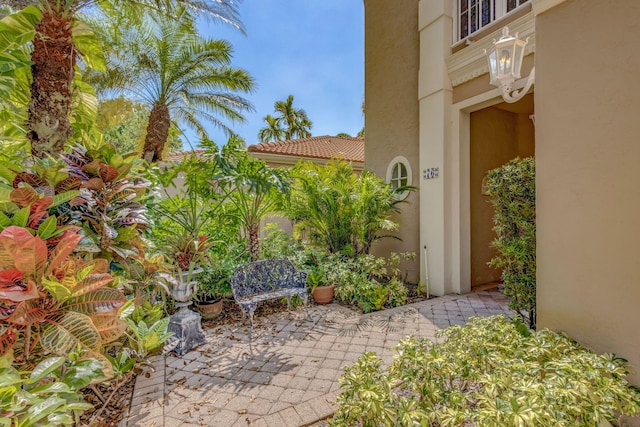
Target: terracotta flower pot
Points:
(323, 294)
(210, 311)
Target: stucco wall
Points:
(493, 143)
(526, 133)
(497, 136)
(588, 178)
(391, 107)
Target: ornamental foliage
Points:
(513, 196)
(490, 372)
(340, 210)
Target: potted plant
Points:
(213, 287)
(321, 291)
(187, 253)
(186, 249)
(183, 240)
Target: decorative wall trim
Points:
(540, 6)
(471, 62)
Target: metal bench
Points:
(263, 280)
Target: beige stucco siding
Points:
(498, 134)
(588, 180)
(492, 145)
(391, 107)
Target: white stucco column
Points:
(435, 99)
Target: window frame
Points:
(499, 12)
(399, 160)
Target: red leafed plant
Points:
(41, 201)
(93, 189)
(112, 217)
(52, 302)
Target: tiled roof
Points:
(318, 147)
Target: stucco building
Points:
(430, 106)
(316, 149)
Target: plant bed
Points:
(489, 372)
(414, 294)
(115, 409)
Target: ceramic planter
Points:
(210, 310)
(185, 323)
(323, 294)
(184, 285)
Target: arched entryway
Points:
(498, 134)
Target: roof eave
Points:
(286, 159)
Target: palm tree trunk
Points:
(254, 242)
(157, 133)
(54, 58)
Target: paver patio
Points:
(289, 375)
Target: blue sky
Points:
(311, 49)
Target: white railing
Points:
(474, 15)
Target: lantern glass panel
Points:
(505, 61)
(517, 59)
(493, 65)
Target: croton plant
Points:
(92, 189)
(111, 214)
(62, 225)
(52, 301)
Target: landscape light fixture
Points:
(505, 62)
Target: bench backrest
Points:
(265, 276)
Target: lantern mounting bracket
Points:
(510, 96)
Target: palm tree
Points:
(254, 189)
(340, 210)
(183, 77)
(55, 54)
(361, 133)
(273, 131)
(289, 123)
(122, 122)
(295, 120)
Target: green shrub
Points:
(253, 189)
(364, 282)
(368, 282)
(513, 196)
(215, 281)
(490, 372)
(396, 293)
(277, 244)
(49, 395)
(340, 211)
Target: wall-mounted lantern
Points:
(505, 62)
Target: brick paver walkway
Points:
(289, 375)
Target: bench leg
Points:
(251, 326)
(288, 302)
(247, 311)
(306, 306)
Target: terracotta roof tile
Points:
(319, 147)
